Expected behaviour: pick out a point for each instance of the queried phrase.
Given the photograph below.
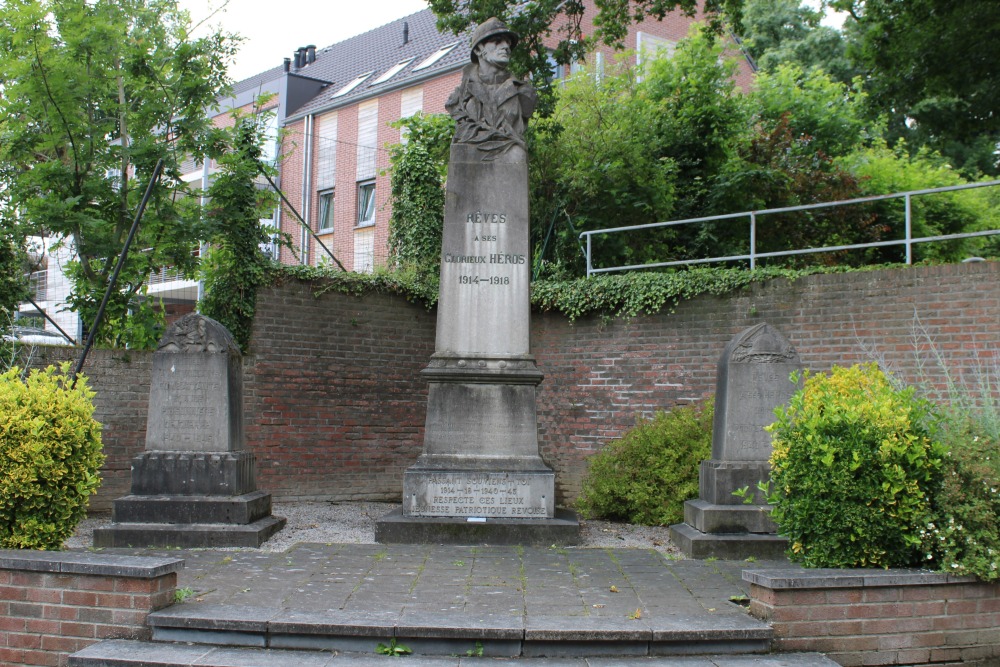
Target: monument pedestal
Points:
(195, 485)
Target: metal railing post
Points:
(590, 266)
(909, 230)
(753, 240)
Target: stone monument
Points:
(480, 477)
(195, 485)
(753, 379)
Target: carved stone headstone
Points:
(753, 378)
(195, 483)
(480, 465)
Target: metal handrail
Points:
(753, 255)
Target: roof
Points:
(377, 51)
(256, 81)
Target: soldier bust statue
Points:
(490, 107)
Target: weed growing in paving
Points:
(392, 649)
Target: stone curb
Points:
(108, 565)
(849, 578)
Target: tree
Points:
(931, 67)
(778, 32)
(94, 93)
(536, 21)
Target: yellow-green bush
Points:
(50, 454)
(646, 475)
(854, 470)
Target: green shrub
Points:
(646, 476)
(853, 470)
(50, 453)
(964, 537)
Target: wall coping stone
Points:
(72, 562)
(849, 578)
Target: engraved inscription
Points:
(476, 495)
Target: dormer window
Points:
(352, 85)
(393, 71)
(436, 56)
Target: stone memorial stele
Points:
(753, 378)
(480, 465)
(194, 485)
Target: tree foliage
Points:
(95, 92)
(789, 32)
(418, 171)
(930, 66)
(236, 265)
(536, 22)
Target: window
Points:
(367, 140)
(366, 204)
(436, 56)
(392, 71)
(326, 202)
(352, 85)
(650, 47)
(411, 102)
(326, 151)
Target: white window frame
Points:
(366, 204)
(327, 205)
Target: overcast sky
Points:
(273, 30)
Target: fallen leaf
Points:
(613, 589)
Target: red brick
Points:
(76, 629)
(135, 585)
(24, 640)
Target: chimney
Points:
(298, 59)
(311, 54)
(406, 33)
(288, 64)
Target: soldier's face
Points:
(495, 51)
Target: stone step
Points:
(188, 535)
(430, 633)
(126, 653)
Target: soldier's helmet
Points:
(490, 28)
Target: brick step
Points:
(126, 653)
(429, 633)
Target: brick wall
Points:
(872, 617)
(52, 605)
(335, 406)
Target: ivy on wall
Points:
(607, 296)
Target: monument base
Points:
(729, 519)
(488, 488)
(561, 530)
(190, 535)
(190, 521)
(737, 546)
(186, 473)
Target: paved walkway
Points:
(622, 584)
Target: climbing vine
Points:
(607, 296)
(418, 171)
(236, 266)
